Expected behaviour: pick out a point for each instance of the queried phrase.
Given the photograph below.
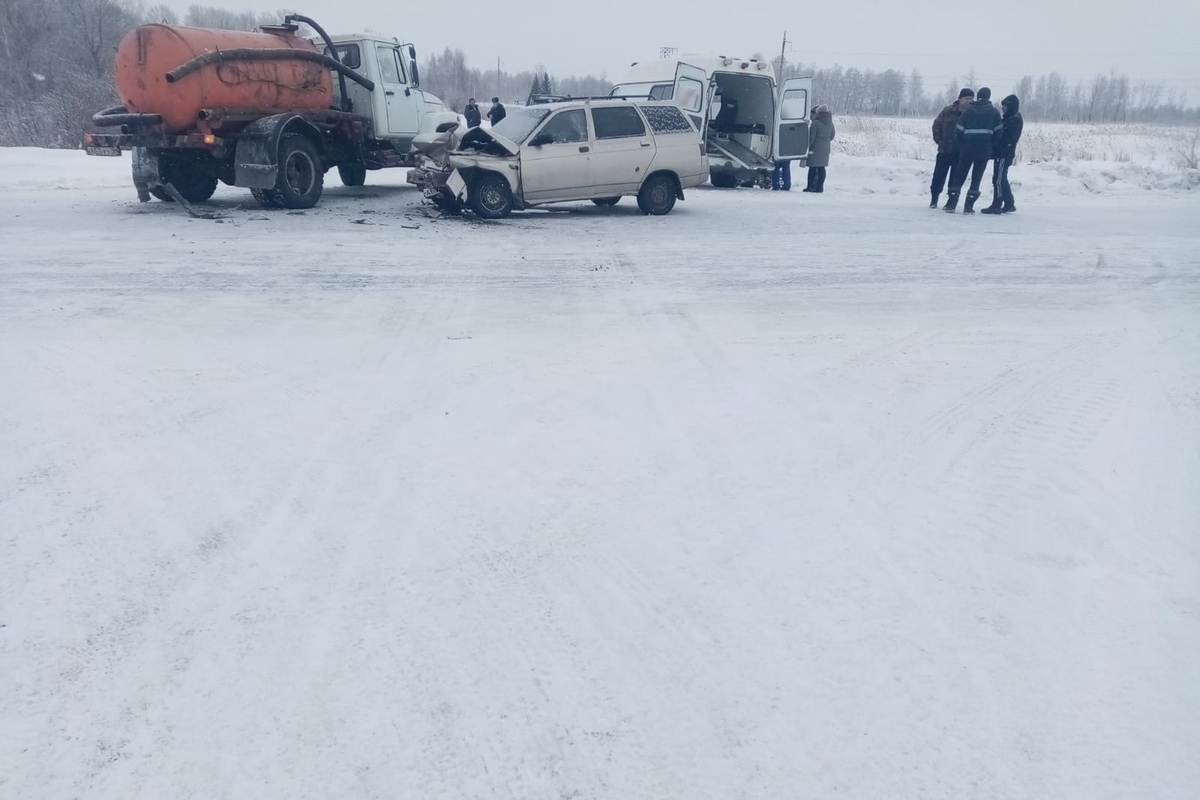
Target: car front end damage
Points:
(449, 165)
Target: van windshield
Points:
(520, 122)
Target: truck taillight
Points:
(88, 140)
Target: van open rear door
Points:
(791, 119)
(692, 93)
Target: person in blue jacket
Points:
(978, 130)
(1003, 157)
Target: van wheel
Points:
(352, 174)
(606, 202)
(657, 196)
(301, 175)
(490, 197)
(722, 180)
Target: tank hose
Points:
(312, 23)
(281, 54)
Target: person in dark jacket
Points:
(1004, 155)
(471, 112)
(820, 143)
(946, 138)
(978, 130)
(496, 112)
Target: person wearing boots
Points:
(946, 138)
(978, 129)
(471, 112)
(820, 139)
(1004, 155)
(781, 176)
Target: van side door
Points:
(790, 139)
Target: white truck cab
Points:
(398, 109)
(749, 120)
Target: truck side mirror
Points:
(416, 73)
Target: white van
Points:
(748, 120)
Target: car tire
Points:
(352, 174)
(657, 196)
(722, 180)
(490, 197)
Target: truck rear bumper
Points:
(113, 144)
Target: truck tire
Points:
(657, 196)
(301, 175)
(352, 174)
(490, 197)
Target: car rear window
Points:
(666, 119)
(618, 122)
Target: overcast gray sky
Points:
(1148, 39)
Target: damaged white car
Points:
(598, 149)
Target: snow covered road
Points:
(777, 496)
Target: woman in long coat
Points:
(820, 137)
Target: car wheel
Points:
(723, 180)
(352, 174)
(657, 196)
(490, 197)
(605, 202)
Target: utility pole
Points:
(498, 78)
(783, 49)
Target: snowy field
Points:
(779, 496)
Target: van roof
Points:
(660, 69)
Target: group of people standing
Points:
(970, 132)
(821, 132)
(475, 117)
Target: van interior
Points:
(743, 111)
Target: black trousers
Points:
(1001, 191)
(976, 167)
(946, 165)
(816, 179)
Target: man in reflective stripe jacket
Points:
(978, 129)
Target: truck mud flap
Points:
(256, 162)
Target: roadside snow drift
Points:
(777, 496)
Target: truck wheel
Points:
(657, 196)
(605, 202)
(301, 175)
(352, 174)
(490, 197)
(723, 180)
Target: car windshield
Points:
(520, 122)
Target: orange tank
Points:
(147, 54)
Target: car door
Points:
(556, 159)
(790, 140)
(622, 151)
(403, 120)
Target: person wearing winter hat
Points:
(820, 138)
(946, 138)
(978, 129)
(1004, 155)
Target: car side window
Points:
(618, 122)
(567, 127)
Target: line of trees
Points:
(1051, 98)
(56, 71)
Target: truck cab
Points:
(749, 120)
(398, 109)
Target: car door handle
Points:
(645, 144)
(390, 93)
(583, 149)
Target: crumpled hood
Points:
(476, 140)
